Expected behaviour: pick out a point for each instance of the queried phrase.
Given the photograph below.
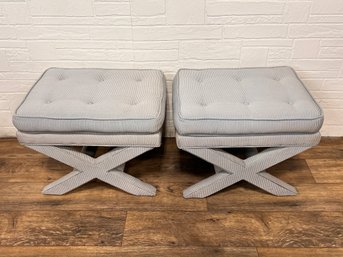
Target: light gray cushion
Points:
(243, 101)
(94, 100)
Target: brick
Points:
(17, 54)
(4, 64)
(315, 31)
(52, 32)
(185, 12)
(331, 130)
(17, 13)
(313, 84)
(15, 86)
(253, 57)
(177, 32)
(279, 53)
(251, 19)
(317, 65)
(297, 11)
(267, 42)
(147, 7)
(12, 44)
(152, 45)
(106, 32)
(36, 20)
(153, 20)
(6, 118)
(255, 31)
(331, 52)
(306, 48)
(327, 6)
(333, 116)
(61, 8)
(7, 32)
(78, 44)
(113, 20)
(4, 105)
(155, 55)
(109, 9)
(7, 132)
(210, 50)
(333, 85)
(325, 19)
(239, 8)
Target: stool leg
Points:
(67, 183)
(211, 185)
(272, 184)
(127, 183)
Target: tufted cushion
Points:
(243, 101)
(94, 100)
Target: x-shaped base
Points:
(231, 169)
(108, 168)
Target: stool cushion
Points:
(94, 100)
(243, 101)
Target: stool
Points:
(69, 109)
(248, 108)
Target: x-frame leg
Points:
(108, 168)
(231, 169)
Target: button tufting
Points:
(277, 79)
(90, 102)
(203, 104)
(48, 101)
(238, 79)
(138, 79)
(246, 103)
(290, 102)
(61, 77)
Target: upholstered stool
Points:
(123, 109)
(269, 108)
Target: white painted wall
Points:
(171, 34)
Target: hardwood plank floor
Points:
(98, 220)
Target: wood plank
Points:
(326, 170)
(96, 195)
(61, 228)
(127, 251)
(329, 148)
(234, 229)
(300, 252)
(10, 148)
(310, 197)
(31, 170)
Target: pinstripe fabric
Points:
(247, 141)
(230, 170)
(243, 101)
(135, 140)
(108, 168)
(94, 100)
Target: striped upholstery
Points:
(243, 101)
(94, 100)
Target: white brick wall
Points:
(172, 34)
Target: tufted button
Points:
(203, 104)
(48, 101)
(61, 77)
(199, 80)
(138, 79)
(290, 102)
(277, 79)
(90, 102)
(238, 79)
(246, 103)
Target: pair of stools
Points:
(69, 112)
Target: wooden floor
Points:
(98, 220)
